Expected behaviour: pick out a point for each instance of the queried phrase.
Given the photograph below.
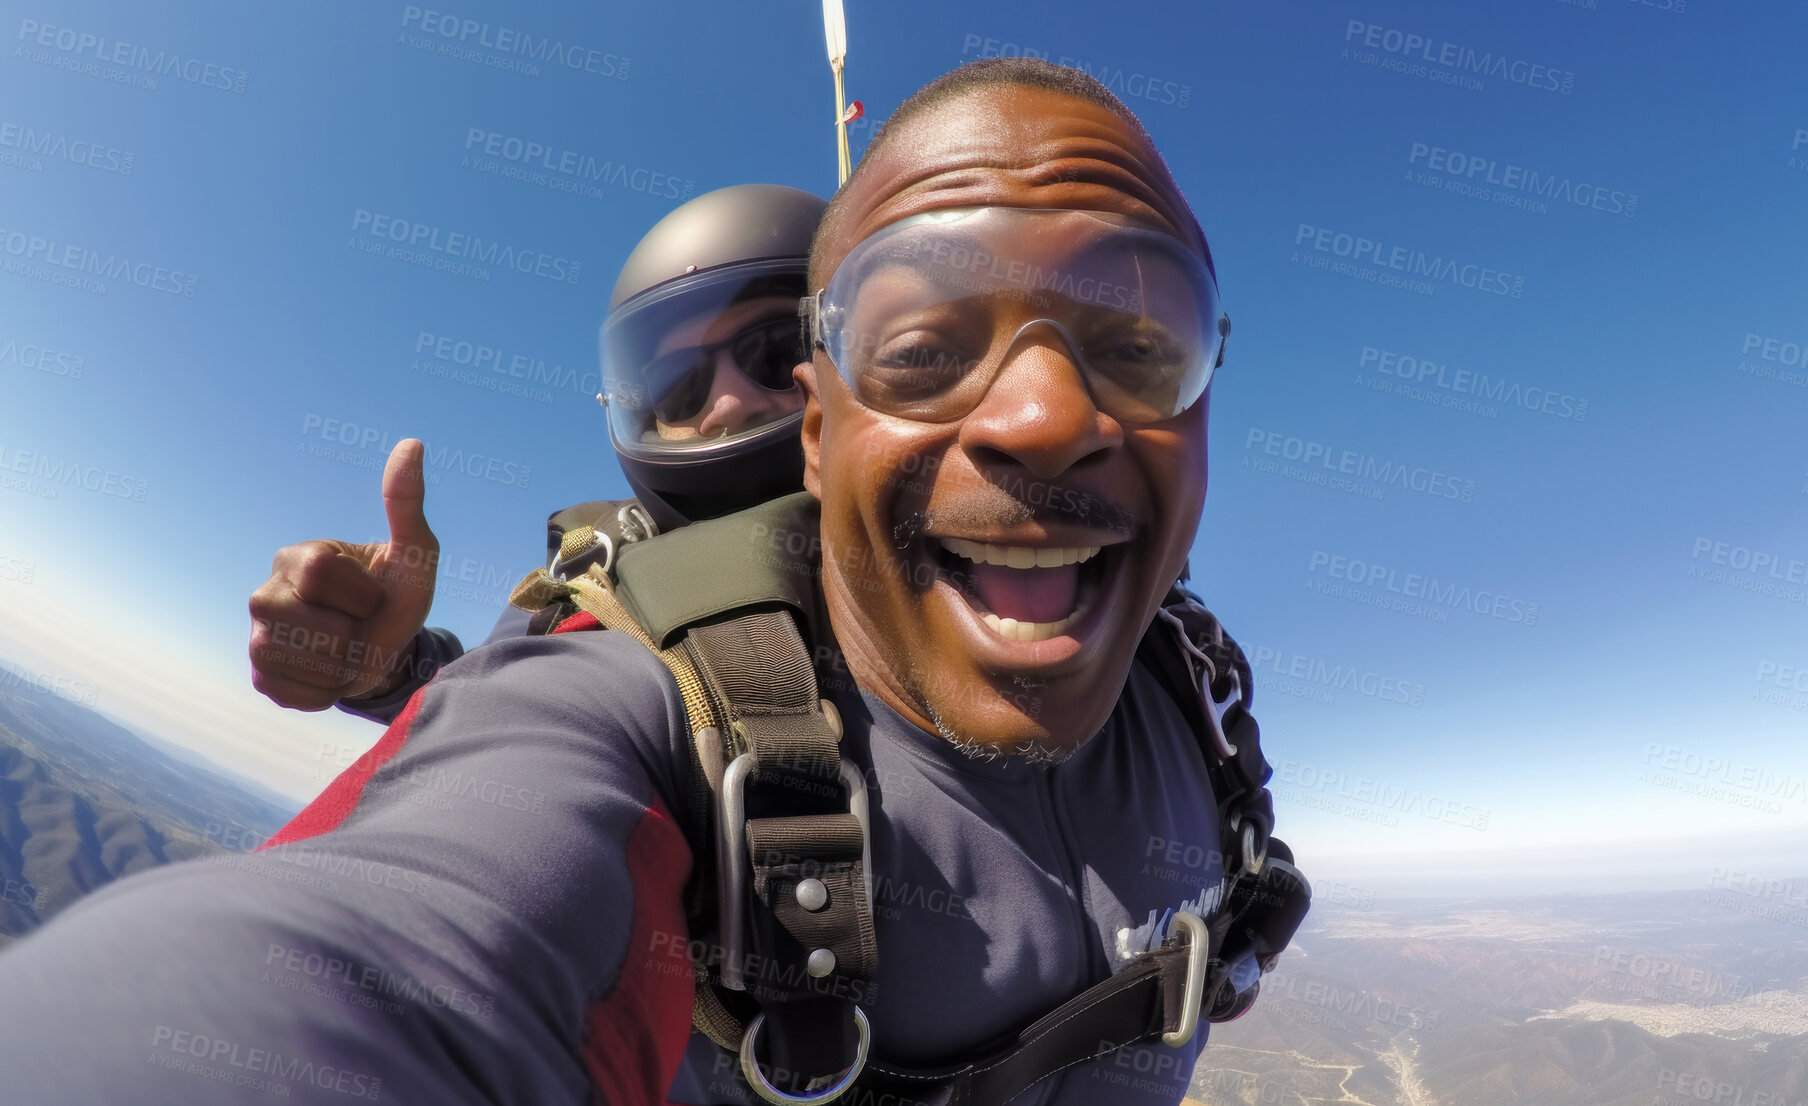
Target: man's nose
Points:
(1038, 411)
(736, 403)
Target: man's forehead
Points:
(1014, 146)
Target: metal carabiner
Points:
(1204, 672)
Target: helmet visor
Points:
(705, 360)
(919, 318)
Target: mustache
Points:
(1004, 506)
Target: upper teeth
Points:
(1018, 556)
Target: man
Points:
(697, 354)
(1008, 485)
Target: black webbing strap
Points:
(1138, 1004)
(811, 950)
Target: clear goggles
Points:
(671, 355)
(919, 317)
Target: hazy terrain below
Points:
(84, 801)
(1686, 996)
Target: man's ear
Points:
(805, 375)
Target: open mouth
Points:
(1024, 593)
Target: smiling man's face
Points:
(927, 526)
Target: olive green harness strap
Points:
(593, 593)
(797, 934)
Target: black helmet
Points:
(722, 274)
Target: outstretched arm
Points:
(485, 908)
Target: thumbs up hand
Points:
(337, 620)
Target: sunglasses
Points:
(681, 381)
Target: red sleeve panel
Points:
(637, 1036)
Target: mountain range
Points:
(85, 801)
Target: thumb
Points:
(406, 565)
(404, 500)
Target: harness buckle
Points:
(732, 861)
(1199, 949)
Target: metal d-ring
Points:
(750, 1067)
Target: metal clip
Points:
(1200, 665)
(635, 523)
(1255, 847)
(1215, 712)
(732, 862)
(1199, 942)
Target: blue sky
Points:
(1560, 437)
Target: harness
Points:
(776, 816)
